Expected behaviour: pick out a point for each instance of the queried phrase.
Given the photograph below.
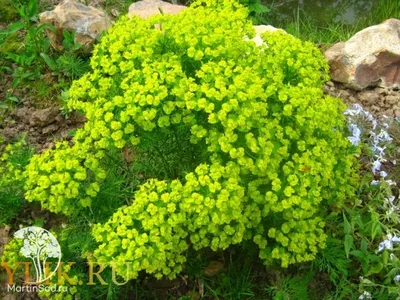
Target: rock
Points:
(213, 268)
(148, 8)
(88, 22)
(59, 118)
(9, 133)
(260, 29)
(392, 99)
(368, 97)
(344, 94)
(23, 114)
(43, 117)
(352, 99)
(330, 83)
(115, 13)
(370, 58)
(375, 108)
(51, 128)
(381, 90)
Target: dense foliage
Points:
(270, 152)
(13, 160)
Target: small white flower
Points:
(388, 242)
(397, 279)
(383, 174)
(365, 296)
(376, 166)
(390, 182)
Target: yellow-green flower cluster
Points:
(12, 163)
(14, 157)
(152, 234)
(59, 176)
(277, 152)
(11, 254)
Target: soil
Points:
(43, 127)
(378, 101)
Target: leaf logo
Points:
(42, 248)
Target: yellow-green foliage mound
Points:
(274, 155)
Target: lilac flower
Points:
(383, 174)
(388, 242)
(355, 138)
(376, 166)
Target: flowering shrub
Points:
(270, 149)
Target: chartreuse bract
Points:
(274, 152)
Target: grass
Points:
(331, 31)
(306, 28)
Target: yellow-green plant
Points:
(14, 157)
(11, 254)
(276, 155)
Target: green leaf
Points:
(385, 257)
(376, 229)
(364, 245)
(375, 269)
(13, 99)
(32, 8)
(21, 11)
(357, 253)
(258, 8)
(45, 26)
(13, 28)
(367, 282)
(348, 244)
(19, 59)
(49, 61)
(67, 35)
(347, 226)
(76, 47)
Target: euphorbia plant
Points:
(270, 152)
